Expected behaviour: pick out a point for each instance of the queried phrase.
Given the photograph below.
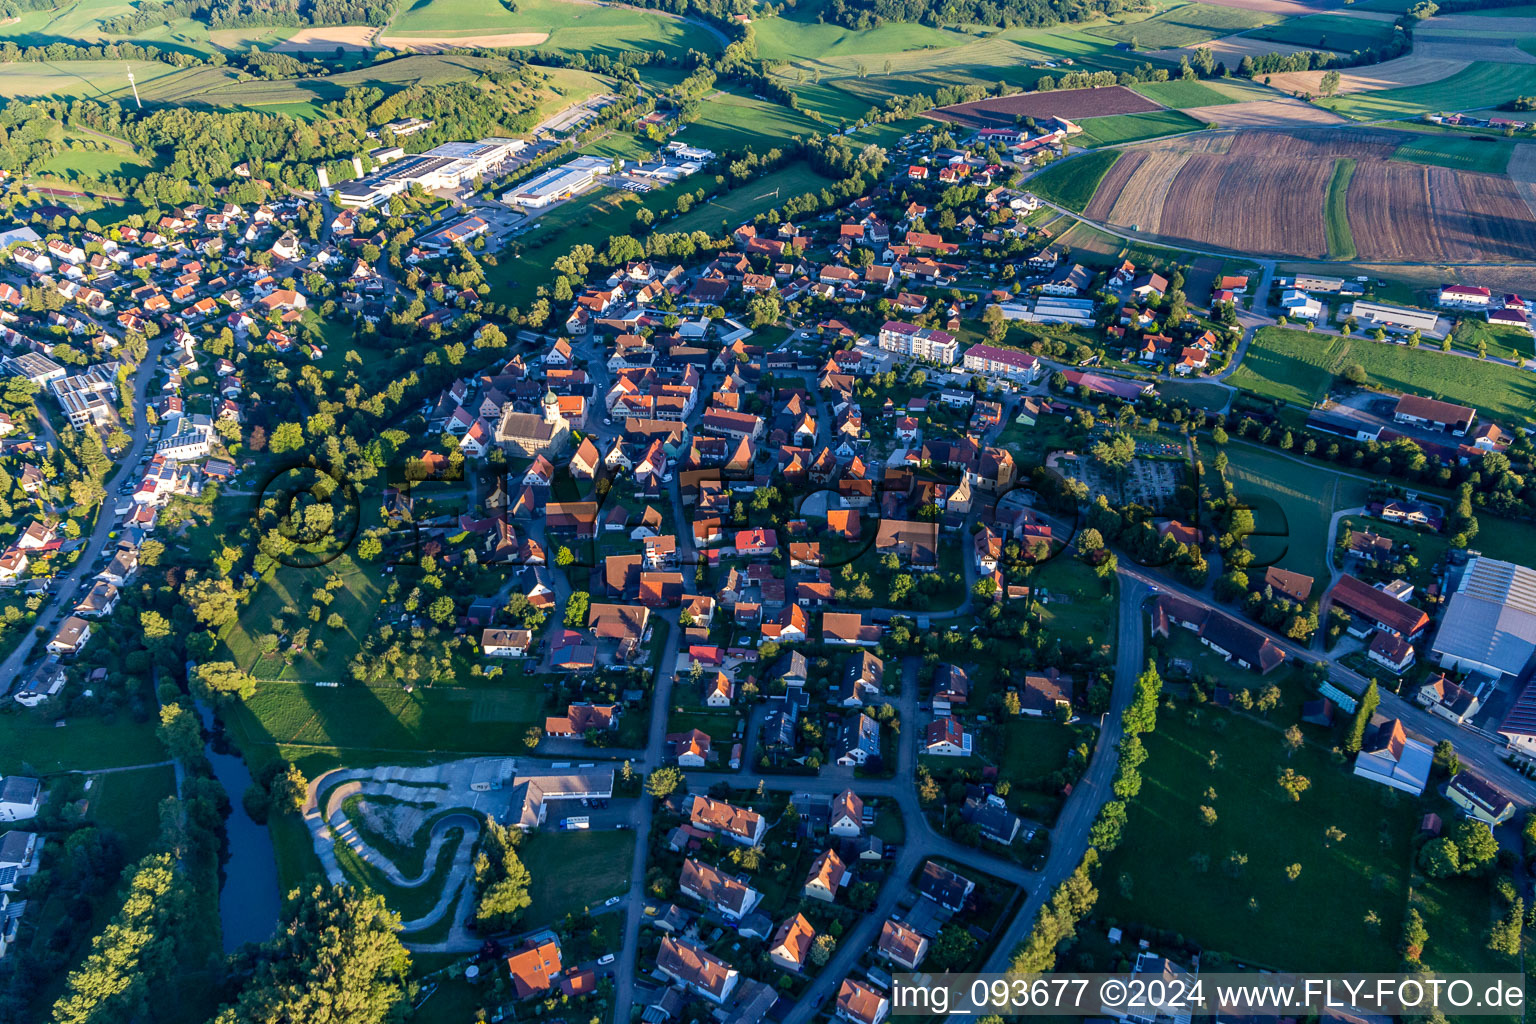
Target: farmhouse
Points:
(1428, 412)
(1377, 609)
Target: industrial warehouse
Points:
(447, 166)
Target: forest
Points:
(862, 14)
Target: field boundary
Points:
(1341, 242)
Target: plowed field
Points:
(1073, 103)
(1267, 194)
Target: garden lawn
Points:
(1033, 747)
(1105, 131)
(720, 726)
(573, 871)
(1184, 25)
(1072, 182)
(1317, 922)
(1479, 85)
(481, 718)
(1329, 32)
(1289, 365)
(1088, 612)
(31, 741)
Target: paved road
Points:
(1069, 839)
(127, 464)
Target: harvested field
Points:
(1278, 113)
(1404, 211)
(348, 37)
(1440, 44)
(1415, 69)
(1522, 171)
(1073, 103)
(1113, 184)
(1281, 199)
(1141, 203)
(436, 44)
(1267, 194)
(1289, 8)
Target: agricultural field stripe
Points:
(1341, 243)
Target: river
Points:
(249, 900)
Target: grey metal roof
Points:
(1491, 619)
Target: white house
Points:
(20, 797)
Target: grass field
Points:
(410, 902)
(1289, 365)
(31, 740)
(1297, 367)
(83, 79)
(572, 27)
(128, 803)
(80, 22)
(287, 594)
(1292, 503)
(1118, 128)
(575, 870)
(1071, 183)
(854, 75)
(798, 35)
(731, 121)
(479, 718)
(1185, 25)
(1461, 153)
(1329, 32)
(1198, 393)
(98, 156)
(1481, 84)
(1341, 242)
(1180, 94)
(1316, 922)
(741, 204)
